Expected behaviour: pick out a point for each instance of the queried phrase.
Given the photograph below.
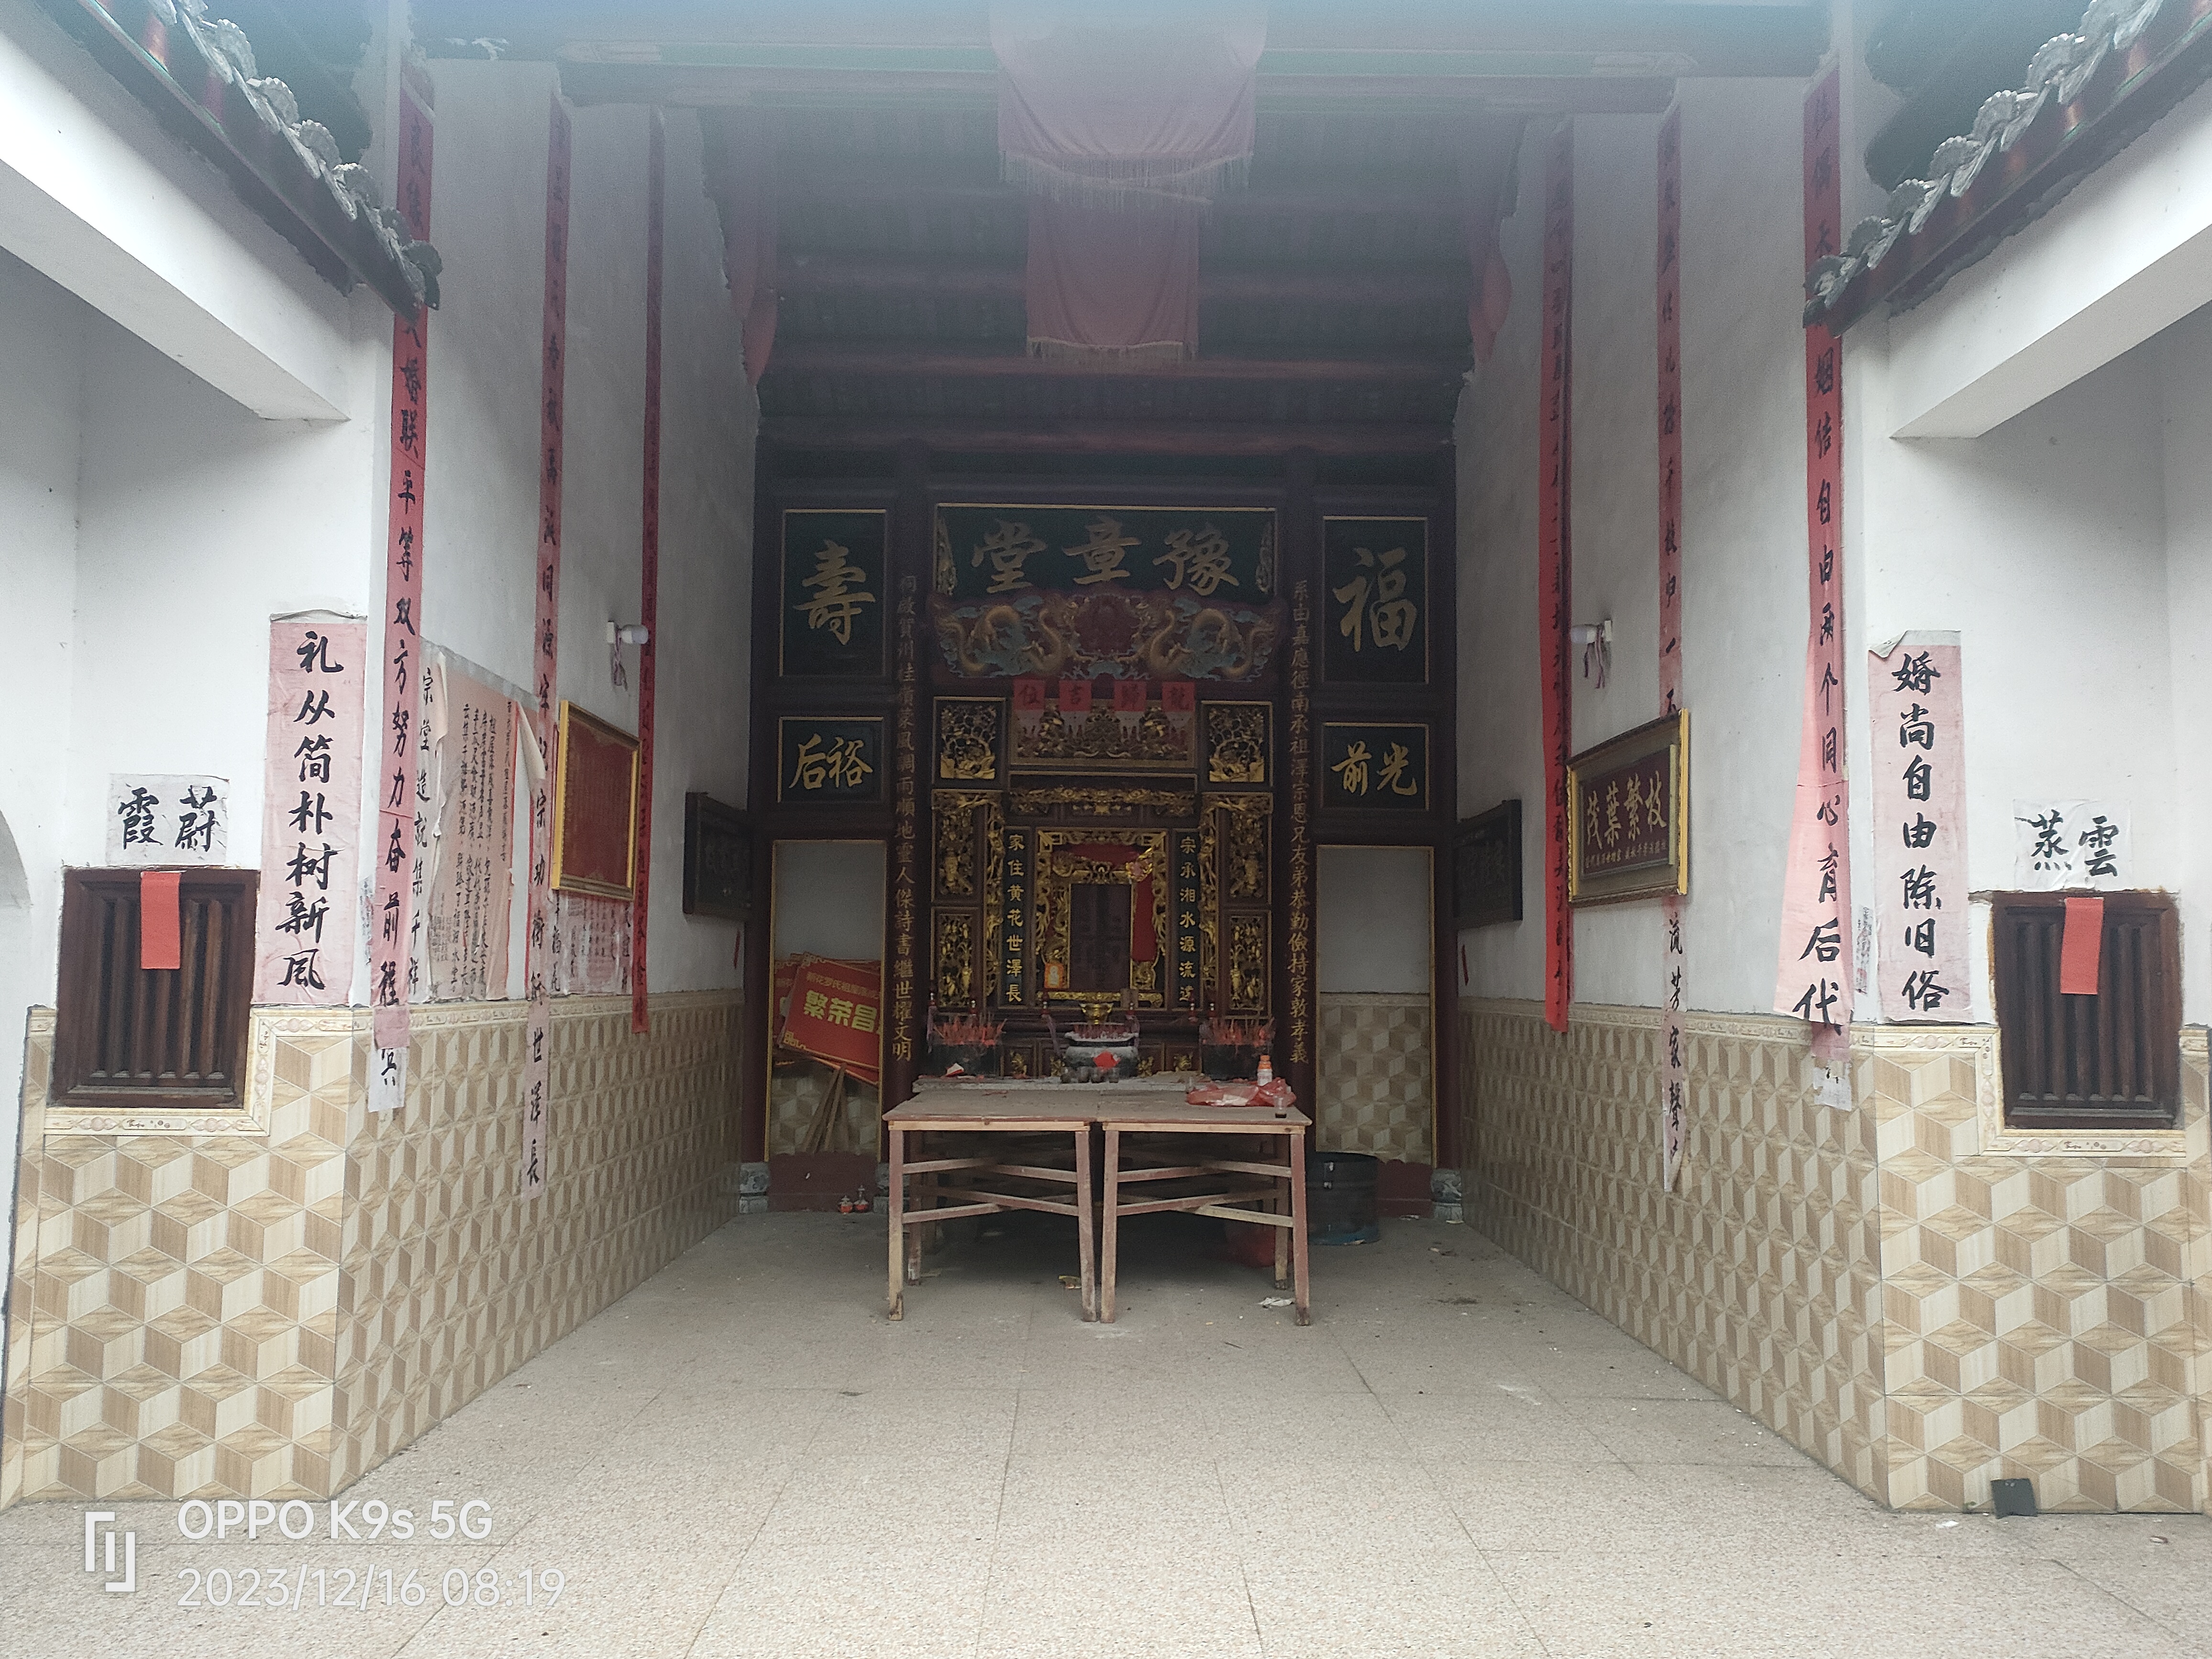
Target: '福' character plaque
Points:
(1376, 578)
(1628, 828)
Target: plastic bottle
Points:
(1267, 1071)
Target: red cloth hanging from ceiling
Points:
(1142, 102)
(1122, 125)
(1115, 290)
(741, 178)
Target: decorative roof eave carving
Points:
(2085, 96)
(197, 75)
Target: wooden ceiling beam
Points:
(824, 273)
(867, 186)
(1110, 437)
(809, 358)
(1719, 39)
(710, 86)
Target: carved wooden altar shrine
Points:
(1102, 722)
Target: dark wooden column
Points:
(1297, 1012)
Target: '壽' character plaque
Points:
(1628, 829)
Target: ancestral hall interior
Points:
(1539, 594)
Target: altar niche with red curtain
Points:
(1101, 722)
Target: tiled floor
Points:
(743, 1457)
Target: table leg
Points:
(897, 1217)
(1110, 1248)
(1086, 1243)
(1300, 1249)
(1281, 1206)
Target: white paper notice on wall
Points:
(2071, 843)
(387, 1080)
(1919, 835)
(1832, 1084)
(159, 819)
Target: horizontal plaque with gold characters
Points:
(829, 760)
(1628, 815)
(1369, 766)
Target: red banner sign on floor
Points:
(539, 945)
(396, 845)
(1674, 1099)
(836, 1014)
(1814, 977)
(1554, 575)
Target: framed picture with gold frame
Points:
(1628, 815)
(595, 807)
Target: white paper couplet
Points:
(1919, 835)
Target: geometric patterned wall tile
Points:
(1377, 1076)
(246, 1314)
(1921, 1315)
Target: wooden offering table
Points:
(973, 1106)
(1285, 1211)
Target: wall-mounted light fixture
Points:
(618, 635)
(1597, 641)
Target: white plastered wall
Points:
(481, 509)
(1743, 521)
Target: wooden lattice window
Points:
(127, 1037)
(2107, 1061)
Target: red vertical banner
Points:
(648, 581)
(545, 657)
(1554, 574)
(395, 847)
(1674, 1100)
(1813, 969)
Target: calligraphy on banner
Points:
(1813, 975)
(1915, 699)
(400, 657)
(168, 819)
(2071, 843)
(1675, 1115)
(1367, 767)
(834, 589)
(829, 763)
(470, 886)
(540, 932)
(593, 945)
(1554, 566)
(311, 813)
(1376, 574)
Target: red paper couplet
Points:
(160, 943)
(1814, 977)
(394, 849)
(656, 170)
(545, 649)
(1075, 696)
(1674, 1117)
(1178, 696)
(1028, 693)
(2080, 947)
(1129, 697)
(1554, 584)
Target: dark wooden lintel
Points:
(1348, 285)
(1110, 437)
(809, 358)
